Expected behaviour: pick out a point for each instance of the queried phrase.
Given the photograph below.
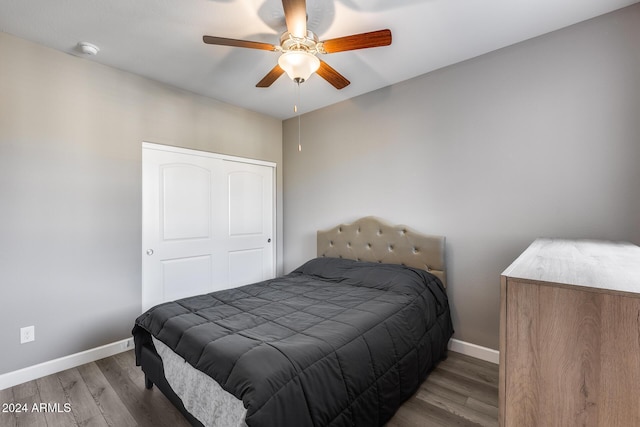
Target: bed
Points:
(342, 340)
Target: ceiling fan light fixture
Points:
(299, 64)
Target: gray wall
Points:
(538, 139)
(70, 191)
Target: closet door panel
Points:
(184, 277)
(246, 197)
(250, 240)
(185, 214)
(207, 223)
(244, 266)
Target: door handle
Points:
(149, 252)
(269, 240)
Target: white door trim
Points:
(192, 152)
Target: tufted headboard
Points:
(372, 239)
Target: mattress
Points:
(335, 342)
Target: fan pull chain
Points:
(295, 110)
(299, 143)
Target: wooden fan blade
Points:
(358, 41)
(237, 43)
(271, 77)
(332, 76)
(295, 13)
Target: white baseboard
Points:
(473, 350)
(40, 370)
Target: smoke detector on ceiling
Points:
(88, 48)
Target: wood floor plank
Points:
(490, 410)
(467, 377)
(114, 411)
(474, 369)
(461, 410)
(148, 407)
(127, 361)
(25, 390)
(417, 413)
(444, 392)
(8, 418)
(51, 392)
(461, 384)
(27, 394)
(83, 407)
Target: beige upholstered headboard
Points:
(372, 239)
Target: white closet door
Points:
(202, 224)
(249, 243)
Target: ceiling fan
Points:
(300, 46)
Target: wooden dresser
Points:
(570, 335)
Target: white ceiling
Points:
(162, 39)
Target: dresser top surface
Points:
(588, 263)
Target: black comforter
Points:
(336, 342)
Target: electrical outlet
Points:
(27, 334)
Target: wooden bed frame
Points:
(366, 239)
